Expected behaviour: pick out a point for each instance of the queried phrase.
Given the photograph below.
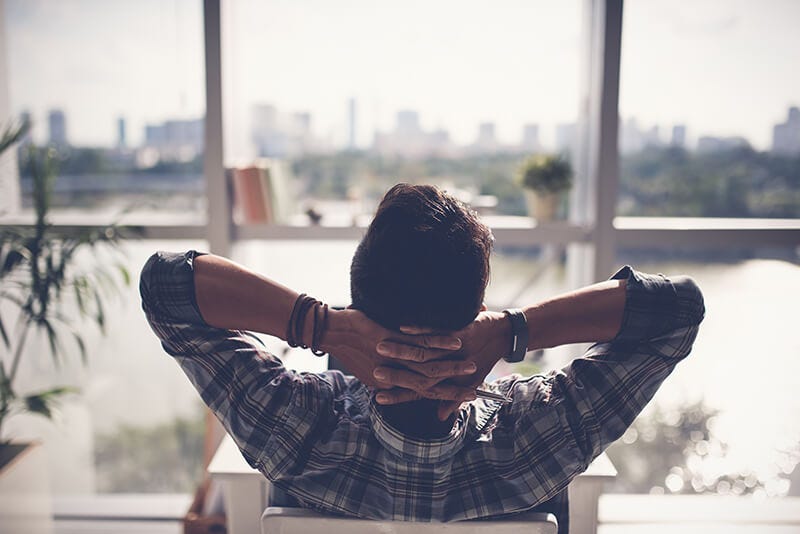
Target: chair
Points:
(278, 520)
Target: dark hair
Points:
(424, 261)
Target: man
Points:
(405, 438)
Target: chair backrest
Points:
(277, 520)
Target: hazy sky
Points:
(722, 67)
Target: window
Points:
(710, 125)
(117, 88)
(722, 423)
(359, 95)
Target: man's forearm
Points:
(589, 314)
(231, 296)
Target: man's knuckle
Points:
(435, 369)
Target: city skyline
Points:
(720, 68)
(276, 133)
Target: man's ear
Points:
(483, 307)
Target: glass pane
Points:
(710, 125)
(358, 96)
(118, 89)
(136, 425)
(725, 421)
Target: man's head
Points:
(424, 261)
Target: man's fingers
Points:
(403, 378)
(396, 396)
(449, 392)
(443, 368)
(435, 341)
(416, 330)
(401, 351)
(418, 348)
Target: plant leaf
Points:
(101, 314)
(4, 334)
(81, 347)
(13, 133)
(126, 275)
(43, 402)
(52, 338)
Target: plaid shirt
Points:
(320, 438)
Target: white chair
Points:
(277, 520)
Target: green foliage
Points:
(13, 134)
(162, 458)
(735, 183)
(81, 161)
(39, 278)
(654, 182)
(546, 173)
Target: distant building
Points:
(25, 116)
(530, 138)
(57, 127)
(678, 136)
(266, 134)
(351, 124)
(408, 139)
(175, 140)
(408, 123)
(709, 143)
(567, 137)
(786, 136)
(122, 140)
(279, 135)
(487, 138)
(633, 138)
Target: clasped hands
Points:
(419, 363)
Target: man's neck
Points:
(417, 419)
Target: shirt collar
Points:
(471, 422)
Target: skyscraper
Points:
(487, 140)
(530, 138)
(25, 116)
(351, 124)
(408, 123)
(122, 140)
(567, 137)
(786, 136)
(57, 127)
(678, 136)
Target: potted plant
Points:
(545, 178)
(45, 292)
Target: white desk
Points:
(246, 491)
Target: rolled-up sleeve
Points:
(248, 389)
(598, 396)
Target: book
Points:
(261, 192)
(249, 206)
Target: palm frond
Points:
(42, 403)
(4, 334)
(13, 134)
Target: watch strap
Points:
(519, 335)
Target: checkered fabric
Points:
(320, 438)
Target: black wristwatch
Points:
(519, 335)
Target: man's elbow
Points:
(691, 305)
(145, 282)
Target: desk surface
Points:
(228, 463)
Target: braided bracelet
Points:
(296, 326)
